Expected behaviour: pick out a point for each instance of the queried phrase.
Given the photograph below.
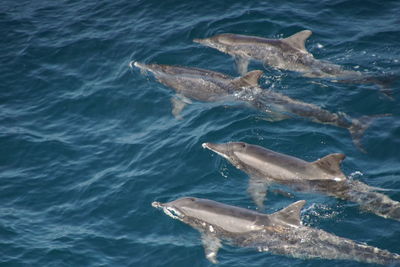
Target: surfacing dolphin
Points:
(210, 86)
(198, 84)
(265, 167)
(280, 233)
(288, 54)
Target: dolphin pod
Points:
(282, 232)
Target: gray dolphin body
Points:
(287, 54)
(265, 166)
(206, 85)
(280, 233)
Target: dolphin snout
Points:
(220, 149)
(144, 68)
(169, 208)
(136, 64)
(157, 204)
(212, 146)
(141, 66)
(201, 41)
(204, 145)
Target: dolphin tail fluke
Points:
(385, 85)
(359, 126)
(395, 213)
(382, 206)
(384, 82)
(375, 202)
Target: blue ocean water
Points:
(87, 143)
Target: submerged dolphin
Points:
(265, 166)
(280, 233)
(206, 85)
(288, 54)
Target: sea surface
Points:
(87, 143)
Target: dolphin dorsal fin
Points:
(249, 79)
(331, 163)
(298, 40)
(290, 214)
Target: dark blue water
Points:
(87, 143)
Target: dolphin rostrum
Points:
(206, 85)
(280, 233)
(265, 167)
(289, 54)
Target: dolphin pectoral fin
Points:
(273, 112)
(258, 191)
(385, 84)
(359, 126)
(211, 246)
(273, 116)
(178, 104)
(241, 65)
(283, 193)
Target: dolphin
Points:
(210, 86)
(198, 84)
(288, 54)
(265, 167)
(280, 233)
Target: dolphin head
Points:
(222, 42)
(173, 208)
(146, 67)
(156, 69)
(201, 213)
(180, 208)
(230, 150)
(188, 208)
(243, 156)
(139, 65)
